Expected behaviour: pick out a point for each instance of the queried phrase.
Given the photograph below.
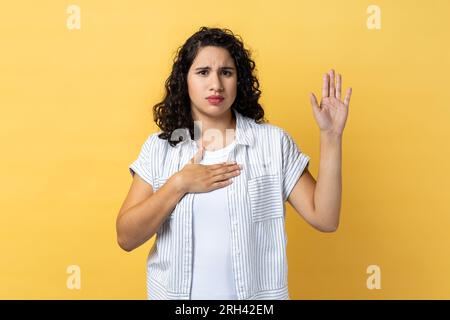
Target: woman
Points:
(213, 182)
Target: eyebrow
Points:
(207, 68)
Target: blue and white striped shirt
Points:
(272, 164)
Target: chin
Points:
(215, 110)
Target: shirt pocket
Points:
(265, 197)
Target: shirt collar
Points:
(244, 130)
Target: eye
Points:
(225, 72)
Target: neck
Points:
(216, 133)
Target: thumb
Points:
(315, 106)
(313, 100)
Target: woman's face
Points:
(212, 73)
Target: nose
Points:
(216, 83)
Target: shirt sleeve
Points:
(145, 161)
(294, 163)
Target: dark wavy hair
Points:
(174, 111)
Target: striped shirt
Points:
(272, 164)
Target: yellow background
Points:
(76, 108)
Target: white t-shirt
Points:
(213, 276)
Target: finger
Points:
(221, 184)
(325, 86)
(313, 100)
(332, 85)
(225, 170)
(225, 176)
(347, 97)
(338, 86)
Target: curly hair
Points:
(174, 111)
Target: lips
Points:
(215, 99)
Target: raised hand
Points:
(331, 114)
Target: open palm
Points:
(331, 114)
